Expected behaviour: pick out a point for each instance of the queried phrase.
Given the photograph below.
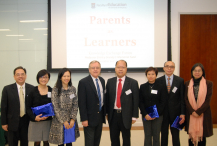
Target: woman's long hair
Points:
(59, 81)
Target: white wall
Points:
(32, 54)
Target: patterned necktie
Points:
(22, 102)
(99, 94)
(118, 103)
(168, 85)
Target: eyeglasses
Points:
(199, 71)
(44, 77)
(120, 67)
(22, 75)
(94, 68)
(172, 67)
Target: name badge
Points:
(128, 92)
(153, 91)
(174, 89)
(72, 96)
(49, 94)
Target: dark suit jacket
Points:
(147, 99)
(175, 101)
(129, 103)
(10, 105)
(205, 109)
(88, 101)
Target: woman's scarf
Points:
(196, 123)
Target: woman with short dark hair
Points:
(152, 93)
(39, 127)
(198, 93)
(65, 102)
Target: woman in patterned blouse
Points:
(65, 102)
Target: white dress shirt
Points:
(18, 88)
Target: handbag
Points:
(46, 110)
(69, 134)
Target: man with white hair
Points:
(91, 104)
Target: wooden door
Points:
(198, 43)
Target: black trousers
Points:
(92, 135)
(201, 143)
(165, 132)
(21, 134)
(116, 126)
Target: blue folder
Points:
(152, 111)
(176, 123)
(69, 134)
(46, 110)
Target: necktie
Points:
(118, 102)
(22, 102)
(99, 94)
(168, 85)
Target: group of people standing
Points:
(189, 101)
(118, 101)
(20, 97)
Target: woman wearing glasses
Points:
(198, 93)
(39, 127)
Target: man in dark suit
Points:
(122, 101)
(13, 114)
(175, 105)
(91, 104)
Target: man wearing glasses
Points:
(91, 104)
(13, 113)
(175, 103)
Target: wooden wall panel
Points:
(198, 43)
(213, 66)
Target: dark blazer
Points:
(205, 109)
(175, 105)
(88, 101)
(10, 105)
(129, 103)
(147, 99)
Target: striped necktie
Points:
(168, 85)
(99, 94)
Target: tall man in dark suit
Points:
(122, 101)
(91, 104)
(175, 106)
(13, 114)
